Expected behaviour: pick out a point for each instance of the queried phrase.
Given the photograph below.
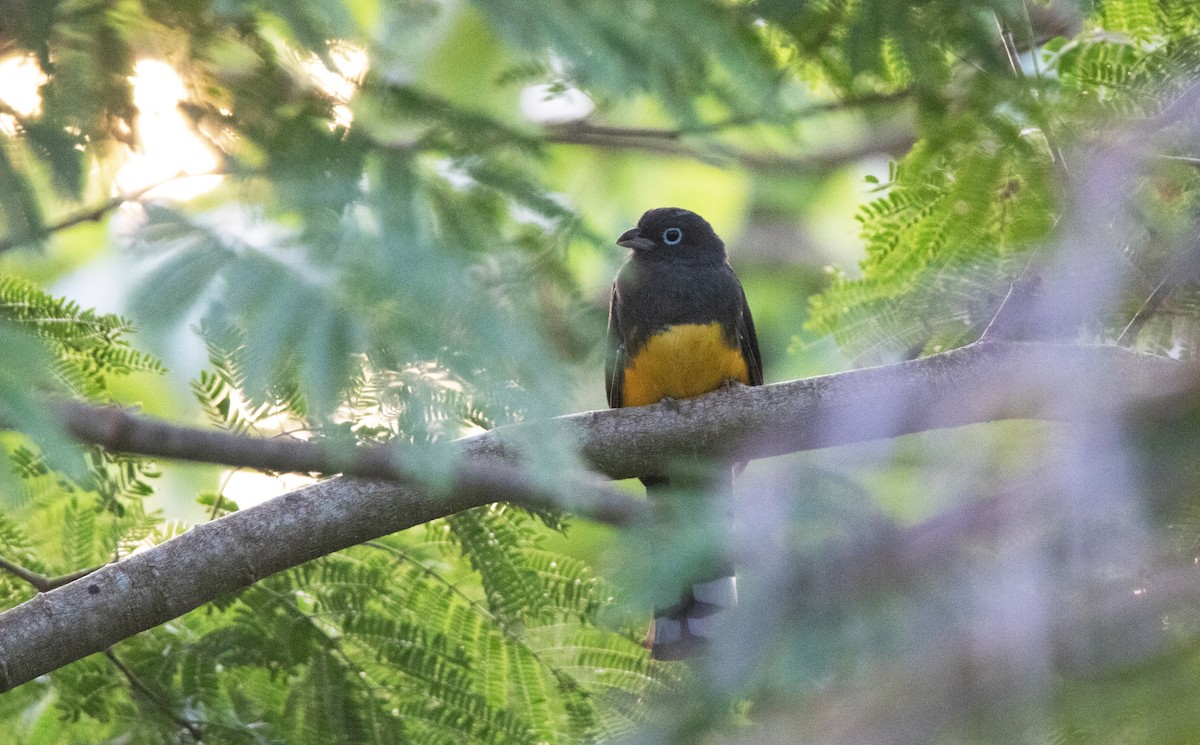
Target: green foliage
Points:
(473, 632)
(969, 209)
(619, 48)
(88, 347)
(378, 644)
(520, 582)
(398, 255)
(943, 245)
(59, 348)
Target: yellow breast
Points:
(682, 362)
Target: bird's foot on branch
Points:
(669, 403)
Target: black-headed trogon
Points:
(679, 326)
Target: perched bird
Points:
(678, 327)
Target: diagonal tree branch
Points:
(983, 382)
(986, 381)
(119, 430)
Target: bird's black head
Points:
(670, 232)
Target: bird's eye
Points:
(672, 236)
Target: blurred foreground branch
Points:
(982, 382)
(1008, 613)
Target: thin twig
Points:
(38, 581)
(1010, 46)
(163, 705)
(1161, 292)
(894, 141)
(1190, 160)
(1033, 57)
(66, 579)
(741, 120)
(1183, 269)
(41, 582)
(90, 214)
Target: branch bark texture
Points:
(982, 382)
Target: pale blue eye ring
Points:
(672, 236)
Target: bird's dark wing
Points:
(614, 361)
(749, 343)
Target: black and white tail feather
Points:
(685, 629)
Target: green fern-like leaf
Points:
(491, 538)
(79, 539)
(942, 246)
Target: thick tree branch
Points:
(982, 382)
(986, 381)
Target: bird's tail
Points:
(685, 629)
